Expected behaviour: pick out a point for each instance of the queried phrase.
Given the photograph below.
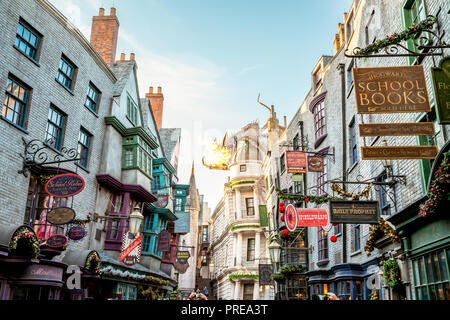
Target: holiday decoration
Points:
(83, 221)
(376, 232)
(93, 263)
(278, 277)
(410, 33)
(243, 276)
(355, 196)
(282, 218)
(439, 189)
(281, 204)
(292, 235)
(305, 198)
(282, 209)
(374, 295)
(285, 232)
(25, 234)
(333, 238)
(392, 273)
(297, 268)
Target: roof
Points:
(169, 139)
(122, 71)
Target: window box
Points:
(322, 263)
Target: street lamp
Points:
(387, 163)
(275, 251)
(135, 220)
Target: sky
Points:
(212, 58)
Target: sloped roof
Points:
(122, 72)
(169, 138)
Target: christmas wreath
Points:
(93, 263)
(391, 272)
(24, 233)
(439, 188)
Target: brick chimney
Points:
(156, 101)
(104, 34)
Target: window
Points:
(282, 163)
(55, 128)
(92, 98)
(356, 237)
(426, 164)
(249, 202)
(321, 177)
(385, 207)
(344, 290)
(137, 155)
(84, 143)
(298, 187)
(353, 142)
(66, 73)
(15, 105)
(414, 11)
(370, 28)
(248, 291)
(132, 111)
(295, 143)
(349, 27)
(320, 128)
(317, 78)
(27, 40)
(205, 234)
(178, 204)
(431, 279)
(243, 168)
(322, 243)
(251, 249)
(350, 74)
(114, 231)
(150, 222)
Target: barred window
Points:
(16, 100)
(27, 40)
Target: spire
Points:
(193, 192)
(192, 172)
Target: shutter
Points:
(263, 219)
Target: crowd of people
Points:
(197, 295)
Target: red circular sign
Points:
(290, 218)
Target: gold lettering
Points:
(417, 85)
(368, 86)
(363, 98)
(384, 84)
(397, 95)
(424, 98)
(410, 82)
(399, 85)
(382, 96)
(407, 97)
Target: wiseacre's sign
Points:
(65, 185)
(365, 212)
(396, 129)
(441, 83)
(61, 215)
(391, 90)
(401, 152)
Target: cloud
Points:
(247, 70)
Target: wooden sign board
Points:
(403, 152)
(441, 83)
(354, 211)
(315, 164)
(61, 215)
(182, 256)
(296, 162)
(391, 90)
(396, 129)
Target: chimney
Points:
(156, 101)
(104, 34)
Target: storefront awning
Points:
(164, 213)
(137, 191)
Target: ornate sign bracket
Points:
(36, 154)
(430, 43)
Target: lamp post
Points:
(136, 219)
(275, 254)
(387, 163)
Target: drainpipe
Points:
(341, 68)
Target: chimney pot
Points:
(101, 12)
(112, 12)
(122, 56)
(132, 56)
(159, 90)
(150, 90)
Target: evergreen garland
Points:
(240, 182)
(245, 226)
(305, 198)
(392, 273)
(286, 270)
(243, 276)
(278, 277)
(25, 234)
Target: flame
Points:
(216, 157)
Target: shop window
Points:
(39, 204)
(322, 244)
(126, 291)
(16, 102)
(66, 73)
(27, 40)
(344, 290)
(431, 279)
(55, 128)
(92, 98)
(35, 293)
(296, 288)
(251, 249)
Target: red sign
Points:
(296, 162)
(131, 252)
(312, 217)
(65, 185)
(290, 218)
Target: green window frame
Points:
(431, 275)
(132, 110)
(27, 40)
(136, 154)
(414, 11)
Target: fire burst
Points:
(216, 157)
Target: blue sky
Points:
(212, 58)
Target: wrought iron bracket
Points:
(430, 42)
(36, 153)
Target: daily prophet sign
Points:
(391, 90)
(354, 212)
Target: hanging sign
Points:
(296, 162)
(391, 90)
(312, 217)
(62, 215)
(164, 241)
(396, 129)
(297, 178)
(365, 212)
(182, 256)
(65, 185)
(57, 241)
(265, 274)
(76, 232)
(315, 164)
(290, 218)
(183, 223)
(163, 200)
(399, 152)
(131, 249)
(441, 85)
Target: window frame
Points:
(322, 245)
(86, 145)
(251, 249)
(71, 77)
(353, 141)
(356, 237)
(61, 127)
(248, 206)
(21, 39)
(132, 110)
(320, 120)
(283, 163)
(93, 88)
(24, 103)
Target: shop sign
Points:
(65, 185)
(312, 217)
(297, 178)
(42, 273)
(164, 241)
(296, 162)
(265, 274)
(163, 200)
(181, 268)
(365, 212)
(396, 129)
(315, 164)
(183, 223)
(57, 241)
(391, 90)
(76, 233)
(182, 256)
(399, 152)
(290, 218)
(131, 249)
(441, 84)
(62, 215)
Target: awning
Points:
(164, 213)
(138, 191)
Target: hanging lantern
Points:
(285, 232)
(282, 218)
(333, 238)
(282, 209)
